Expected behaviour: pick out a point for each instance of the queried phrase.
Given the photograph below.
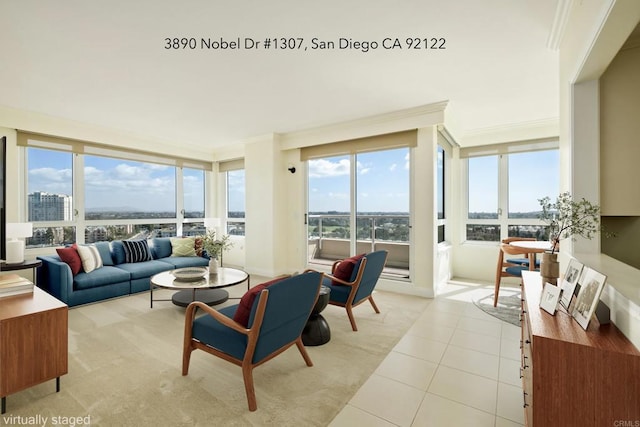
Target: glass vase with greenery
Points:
(215, 246)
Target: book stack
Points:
(12, 284)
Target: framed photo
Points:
(549, 298)
(570, 281)
(591, 285)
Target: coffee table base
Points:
(207, 296)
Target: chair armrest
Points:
(55, 277)
(342, 282)
(230, 323)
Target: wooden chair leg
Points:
(186, 359)
(498, 277)
(351, 318)
(303, 352)
(247, 374)
(373, 304)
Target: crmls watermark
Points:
(40, 420)
(626, 423)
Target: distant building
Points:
(50, 207)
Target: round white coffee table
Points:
(208, 289)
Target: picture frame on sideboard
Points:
(591, 285)
(550, 297)
(569, 282)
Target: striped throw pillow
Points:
(136, 251)
(90, 256)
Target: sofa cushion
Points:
(346, 270)
(91, 259)
(243, 312)
(104, 276)
(105, 252)
(70, 256)
(145, 269)
(160, 247)
(183, 246)
(136, 251)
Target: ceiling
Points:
(105, 64)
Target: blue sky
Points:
(382, 182)
(114, 184)
(531, 176)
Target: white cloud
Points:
(323, 168)
(393, 167)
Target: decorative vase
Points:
(550, 268)
(213, 266)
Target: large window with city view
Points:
(374, 216)
(503, 194)
(94, 198)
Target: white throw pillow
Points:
(91, 259)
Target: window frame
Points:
(79, 221)
(503, 221)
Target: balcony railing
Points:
(329, 239)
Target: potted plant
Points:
(215, 247)
(567, 218)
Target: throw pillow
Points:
(183, 246)
(344, 270)
(243, 312)
(199, 246)
(136, 251)
(70, 256)
(90, 256)
(105, 252)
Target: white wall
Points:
(594, 35)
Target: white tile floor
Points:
(455, 366)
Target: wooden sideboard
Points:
(33, 341)
(573, 377)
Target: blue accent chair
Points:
(277, 319)
(360, 287)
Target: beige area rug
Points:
(125, 370)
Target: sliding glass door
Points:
(360, 203)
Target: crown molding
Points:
(560, 21)
(535, 129)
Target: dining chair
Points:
(275, 317)
(520, 260)
(511, 269)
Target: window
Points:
(74, 194)
(503, 193)
(366, 192)
(120, 189)
(483, 199)
(235, 202)
(440, 193)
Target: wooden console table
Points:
(33, 341)
(573, 377)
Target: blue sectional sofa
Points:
(116, 277)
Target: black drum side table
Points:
(317, 331)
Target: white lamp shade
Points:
(212, 222)
(17, 230)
